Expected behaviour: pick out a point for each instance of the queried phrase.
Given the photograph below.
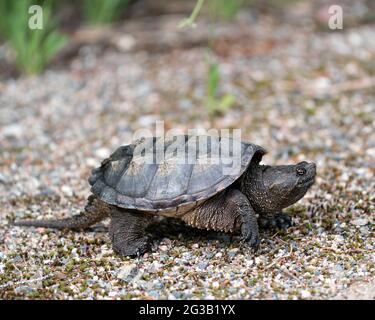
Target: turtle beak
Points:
(311, 170)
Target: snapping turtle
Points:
(130, 192)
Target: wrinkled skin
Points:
(262, 190)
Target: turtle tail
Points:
(95, 211)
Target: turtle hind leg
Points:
(229, 211)
(127, 232)
(95, 211)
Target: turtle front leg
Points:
(127, 232)
(229, 211)
(280, 220)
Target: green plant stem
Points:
(189, 22)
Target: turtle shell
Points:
(178, 173)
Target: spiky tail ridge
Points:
(95, 211)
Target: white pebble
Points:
(102, 153)
(67, 190)
(305, 294)
(359, 222)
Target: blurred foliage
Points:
(225, 9)
(33, 48)
(273, 6)
(218, 9)
(103, 11)
(228, 9)
(213, 103)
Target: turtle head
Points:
(287, 184)
(273, 188)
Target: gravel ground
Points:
(304, 94)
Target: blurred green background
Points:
(34, 49)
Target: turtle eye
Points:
(301, 171)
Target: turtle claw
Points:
(254, 243)
(132, 249)
(283, 221)
(280, 221)
(250, 235)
